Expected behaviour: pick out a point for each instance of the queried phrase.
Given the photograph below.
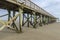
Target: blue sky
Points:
(52, 6)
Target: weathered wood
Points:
(9, 14)
(31, 19)
(23, 20)
(13, 23)
(28, 20)
(41, 20)
(44, 19)
(31, 6)
(34, 20)
(13, 16)
(20, 19)
(13, 6)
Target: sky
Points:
(51, 6)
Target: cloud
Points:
(52, 6)
(46, 3)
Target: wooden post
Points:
(48, 19)
(31, 21)
(28, 20)
(34, 20)
(13, 16)
(20, 19)
(41, 20)
(9, 15)
(23, 19)
(31, 18)
(44, 20)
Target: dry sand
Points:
(47, 32)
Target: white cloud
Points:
(52, 6)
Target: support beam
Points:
(28, 19)
(3, 15)
(9, 15)
(23, 19)
(44, 19)
(13, 16)
(31, 18)
(41, 19)
(20, 19)
(48, 19)
(34, 20)
(13, 23)
(31, 21)
(24, 22)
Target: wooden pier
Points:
(35, 14)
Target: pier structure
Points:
(34, 14)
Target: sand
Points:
(46, 32)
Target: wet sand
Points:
(46, 32)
